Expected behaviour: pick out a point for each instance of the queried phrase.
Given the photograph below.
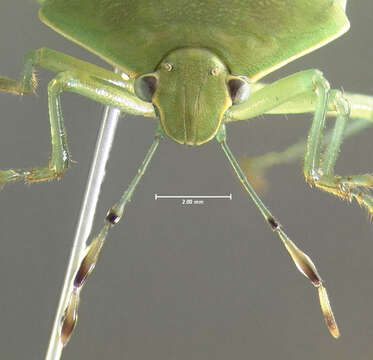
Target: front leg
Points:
(73, 75)
(318, 166)
(309, 91)
(59, 158)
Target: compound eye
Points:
(145, 86)
(239, 89)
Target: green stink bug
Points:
(177, 137)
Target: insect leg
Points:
(318, 167)
(57, 62)
(266, 98)
(361, 117)
(301, 260)
(255, 167)
(309, 91)
(73, 75)
(59, 159)
(86, 85)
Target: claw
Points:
(364, 199)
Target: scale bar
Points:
(156, 196)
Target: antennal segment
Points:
(301, 260)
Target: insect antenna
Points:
(66, 314)
(93, 251)
(301, 260)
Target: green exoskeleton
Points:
(193, 66)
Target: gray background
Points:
(176, 282)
